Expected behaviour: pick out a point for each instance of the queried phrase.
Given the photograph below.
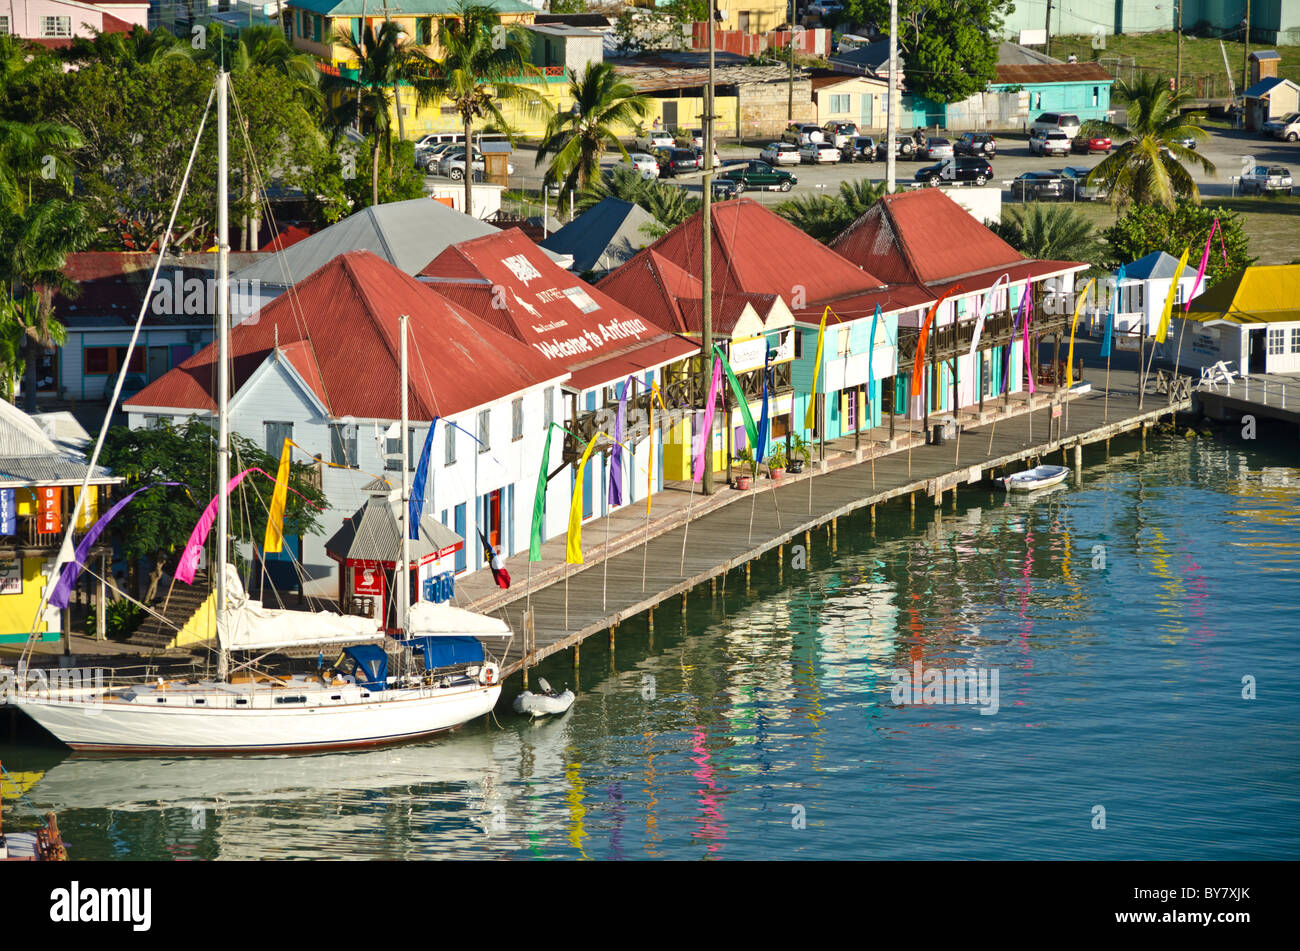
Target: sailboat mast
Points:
(404, 576)
(223, 357)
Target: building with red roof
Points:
(515, 286)
(321, 365)
(924, 238)
(54, 23)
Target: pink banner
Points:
(706, 432)
(1205, 259)
(1029, 313)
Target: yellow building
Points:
(753, 16)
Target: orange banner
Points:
(50, 509)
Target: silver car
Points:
(1266, 178)
(938, 148)
(815, 153)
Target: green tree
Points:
(1050, 233)
(825, 216)
(1147, 228)
(482, 59)
(161, 520)
(127, 50)
(1149, 167)
(577, 138)
(669, 204)
(949, 48)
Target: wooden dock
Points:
(678, 553)
(1275, 397)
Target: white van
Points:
(1056, 122)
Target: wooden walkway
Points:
(718, 536)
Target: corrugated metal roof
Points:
(20, 435)
(1258, 294)
(755, 251)
(513, 284)
(604, 236)
(1266, 86)
(1157, 264)
(922, 236)
(339, 329)
(52, 469)
(1039, 73)
(374, 534)
(410, 8)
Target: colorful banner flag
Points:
(1205, 260)
(71, 570)
(704, 438)
(499, 573)
(8, 512)
(1020, 312)
(810, 417)
(274, 539)
(918, 364)
(616, 456)
(1114, 307)
(1162, 331)
(751, 431)
(573, 546)
(650, 470)
(415, 504)
(1024, 346)
(871, 352)
(763, 422)
(1078, 307)
(986, 305)
(539, 500)
(49, 509)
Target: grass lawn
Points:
(1201, 56)
(1271, 224)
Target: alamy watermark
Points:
(938, 686)
(83, 684)
(196, 297)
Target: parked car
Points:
(1187, 143)
(937, 147)
(1266, 178)
(761, 175)
(1290, 129)
(1049, 143)
(643, 162)
(675, 162)
(860, 148)
(825, 8)
(429, 158)
(975, 143)
(816, 153)
(903, 148)
(656, 139)
(1037, 186)
(452, 163)
(1074, 181)
(839, 133)
(1056, 122)
(724, 188)
(1274, 126)
(1085, 144)
(780, 153)
(802, 133)
(697, 138)
(699, 158)
(964, 168)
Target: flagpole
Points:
(687, 527)
(604, 583)
(645, 549)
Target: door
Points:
(851, 410)
(494, 519)
(868, 108)
(158, 362)
(459, 528)
(670, 115)
(1258, 350)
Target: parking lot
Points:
(1231, 151)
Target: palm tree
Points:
(1049, 232)
(383, 60)
(29, 150)
(140, 47)
(1149, 167)
(481, 59)
(669, 204)
(825, 216)
(602, 102)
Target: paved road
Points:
(1229, 150)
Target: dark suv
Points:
(964, 168)
(976, 143)
(674, 162)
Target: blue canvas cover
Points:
(372, 665)
(448, 651)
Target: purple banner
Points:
(616, 456)
(705, 435)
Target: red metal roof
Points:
(514, 285)
(288, 236)
(1035, 73)
(339, 330)
(922, 236)
(755, 251)
(858, 306)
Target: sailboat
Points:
(379, 690)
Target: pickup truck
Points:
(1266, 178)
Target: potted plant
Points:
(800, 454)
(746, 456)
(776, 463)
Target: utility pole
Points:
(891, 113)
(706, 279)
(789, 106)
(1047, 27)
(1178, 68)
(1245, 62)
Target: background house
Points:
(1269, 98)
(54, 23)
(860, 99)
(604, 236)
(1251, 320)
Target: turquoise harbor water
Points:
(1124, 618)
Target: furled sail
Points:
(250, 626)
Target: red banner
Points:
(367, 580)
(50, 517)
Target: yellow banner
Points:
(810, 417)
(1163, 330)
(573, 547)
(1078, 306)
(274, 540)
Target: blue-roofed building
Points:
(1142, 296)
(1270, 98)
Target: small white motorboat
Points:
(546, 703)
(1031, 480)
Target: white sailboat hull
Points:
(386, 717)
